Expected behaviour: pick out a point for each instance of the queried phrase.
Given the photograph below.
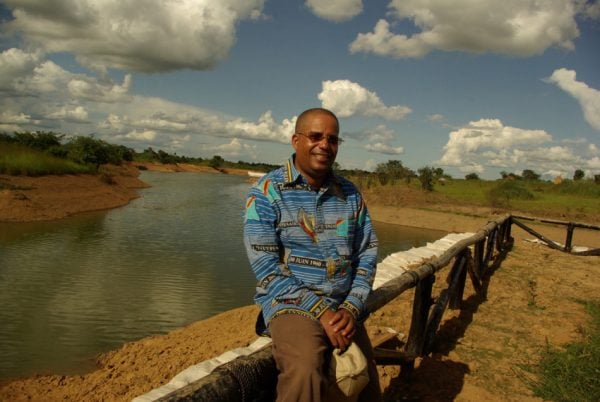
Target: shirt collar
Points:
(293, 176)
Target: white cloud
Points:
(384, 148)
(513, 27)
(156, 36)
(347, 98)
(266, 129)
(14, 65)
(77, 113)
(9, 117)
(489, 143)
(143, 135)
(23, 73)
(487, 134)
(381, 133)
(335, 10)
(592, 10)
(436, 118)
(233, 149)
(90, 89)
(588, 98)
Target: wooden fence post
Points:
(456, 293)
(421, 304)
(455, 276)
(569, 240)
(489, 250)
(478, 257)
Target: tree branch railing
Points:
(570, 227)
(253, 377)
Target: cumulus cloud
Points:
(64, 101)
(28, 74)
(77, 114)
(233, 149)
(379, 140)
(265, 129)
(513, 27)
(90, 89)
(588, 98)
(347, 98)
(436, 118)
(9, 117)
(489, 143)
(384, 149)
(487, 134)
(158, 36)
(335, 10)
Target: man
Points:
(311, 245)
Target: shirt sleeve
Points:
(364, 262)
(278, 289)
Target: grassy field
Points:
(20, 160)
(570, 200)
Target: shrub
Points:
(501, 194)
(426, 175)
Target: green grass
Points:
(569, 197)
(573, 374)
(20, 160)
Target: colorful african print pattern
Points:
(309, 250)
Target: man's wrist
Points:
(351, 309)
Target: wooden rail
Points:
(568, 247)
(253, 377)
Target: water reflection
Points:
(72, 288)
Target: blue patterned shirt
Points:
(310, 250)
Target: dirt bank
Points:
(25, 199)
(531, 302)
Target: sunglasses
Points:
(318, 137)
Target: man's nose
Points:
(324, 143)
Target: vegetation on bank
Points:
(572, 373)
(391, 183)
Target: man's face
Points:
(315, 158)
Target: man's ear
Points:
(295, 141)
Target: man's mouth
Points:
(322, 157)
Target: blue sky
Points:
(469, 86)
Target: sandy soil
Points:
(531, 301)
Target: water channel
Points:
(73, 288)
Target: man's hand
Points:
(339, 327)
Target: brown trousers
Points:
(302, 351)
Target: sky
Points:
(471, 86)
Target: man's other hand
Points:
(339, 326)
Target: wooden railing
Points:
(568, 246)
(253, 377)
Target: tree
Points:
(472, 176)
(216, 162)
(41, 140)
(426, 175)
(393, 170)
(88, 150)
(530, 175)
(578, 175)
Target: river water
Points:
(76, 287)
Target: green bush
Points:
(500, 195)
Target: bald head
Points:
(305, 117)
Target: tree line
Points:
(88, 150)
